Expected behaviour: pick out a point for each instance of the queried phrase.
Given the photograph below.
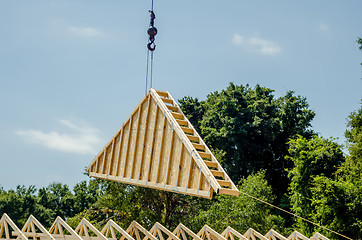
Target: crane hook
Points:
(152, 32)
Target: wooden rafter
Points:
(252, 234)
(210, 234)
(158, 230)
(110, 229)
(181, 231)
(297, 236)
(60, 228)
(231, 233)
(273, 235)
(158, 147)
(32, 227)
(5, 229)
(318, 236)
(135, 229)
(85, 228)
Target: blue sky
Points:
(71, 71)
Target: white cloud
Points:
(80, 138)
(257, 44)
(324, 27)
(85, 31)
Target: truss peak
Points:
(60, 229)
(88, 232)
(162, 233)
(110, 231)
(157, 147)
(181, 231)
(207, 233)
(232, 234)
(34, 229)
(6, 227)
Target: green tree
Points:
(314, 160)
(248, 129)
(242, 212)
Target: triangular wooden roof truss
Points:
(33, 229)
(6, 224)
(158, 147)
(110, 230)
(181, 231)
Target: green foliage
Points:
(47, 203)
(312, 159)
(242, 212)
(248, 129)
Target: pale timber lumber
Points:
(157, 230)
(83, 227)
(230, 232)
(297, 236)
(251, 234)
(209, 233)
(110, 226)
(134, 227)
(273, 235)
(182, 230)
(29, 229)
(318, 236)
(154, 152)
(58, 226)
(5, 222)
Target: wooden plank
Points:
(136, 141)
(204, 155)
(193, 138)
(182, 122)
(119, 152)
(211, 164)
(224, 183)
(172, 108)
(153, 145)
(144, 140)
(169, 156)
(166, 100)
(217, 173)
(161, 150)
(177, 115)
(127, 148)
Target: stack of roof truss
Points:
(34, 230)
(158, 147)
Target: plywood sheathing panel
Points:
(158, 147)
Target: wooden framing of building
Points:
(157, 147)
(60, 230)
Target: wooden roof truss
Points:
(33, 230)
(157, 147)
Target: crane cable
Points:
(280, 209)
(151, 46)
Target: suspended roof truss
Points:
(157, 147)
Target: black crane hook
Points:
(152, 32)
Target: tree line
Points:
(268, 147)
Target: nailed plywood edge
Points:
(157, 147)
